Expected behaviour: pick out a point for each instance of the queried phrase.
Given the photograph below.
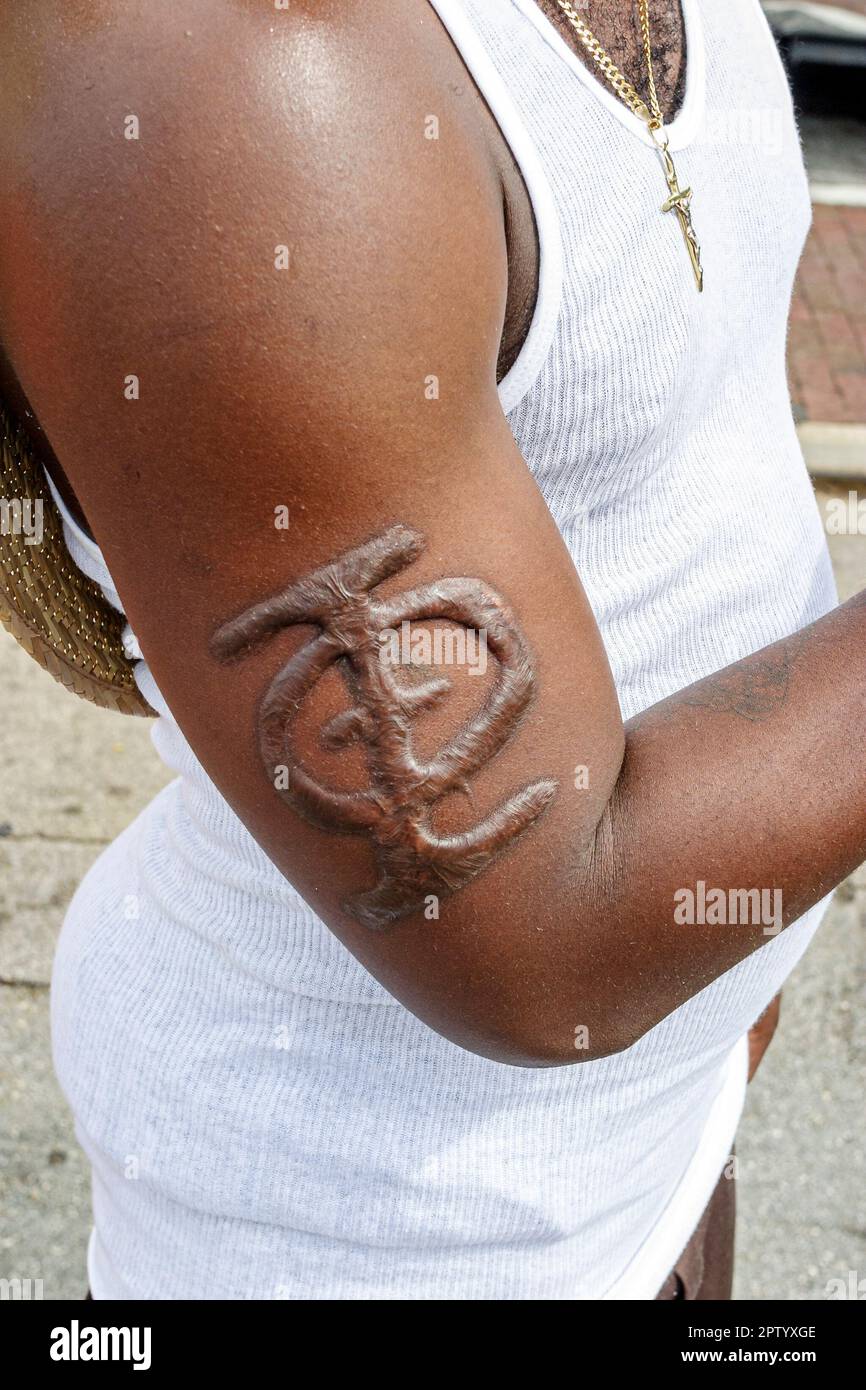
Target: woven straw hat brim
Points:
(59, 616)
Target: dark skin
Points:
(617, 29)
(306, 388)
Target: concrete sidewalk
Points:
(74, 776)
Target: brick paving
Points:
(859, 6)
(827, 334)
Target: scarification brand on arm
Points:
(412, 861)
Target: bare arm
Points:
(301, 378)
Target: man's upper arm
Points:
(282, 301)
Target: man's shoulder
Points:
(176, 157)
(355, 87)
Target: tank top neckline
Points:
(685, 125)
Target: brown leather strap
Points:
(705, 1269)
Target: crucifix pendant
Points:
(679, 202)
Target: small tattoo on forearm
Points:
(754, 689)
(413, 862)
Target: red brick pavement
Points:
(827, 335)
(858, 5)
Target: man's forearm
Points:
(751, 779)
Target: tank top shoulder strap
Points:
(473, 42)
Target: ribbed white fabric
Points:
(263, 1119)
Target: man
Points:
(353, 324)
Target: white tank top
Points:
(263, 1119)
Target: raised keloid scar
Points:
(412, 861)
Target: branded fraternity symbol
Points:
(412, 860)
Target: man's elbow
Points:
(519, 1036)
(542, 1052)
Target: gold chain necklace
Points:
(679, 199)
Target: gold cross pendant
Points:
(679, 202)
